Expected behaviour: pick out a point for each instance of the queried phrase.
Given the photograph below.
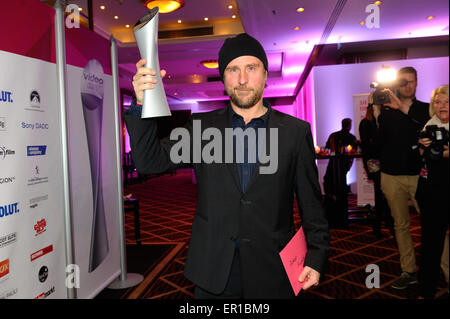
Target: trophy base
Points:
(131, 281)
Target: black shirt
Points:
(398, 135)
(247, 168)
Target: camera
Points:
(439, 137)
(380, 96)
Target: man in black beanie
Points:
(244, 217)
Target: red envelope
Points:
(293, 257)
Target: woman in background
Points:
(432, 192)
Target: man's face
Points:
(244, 79)
(409, 90)
(441, 107)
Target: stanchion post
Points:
(125, 279)
(61, 82)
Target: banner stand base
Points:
(131, 281)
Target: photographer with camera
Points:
(399, 120)
(433, 189)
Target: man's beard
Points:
(239, 102)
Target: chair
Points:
(132, 204)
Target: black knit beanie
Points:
(241, 45)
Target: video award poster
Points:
(365, 188)
(32, 240)
(93, 177)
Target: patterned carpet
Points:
(167, 207)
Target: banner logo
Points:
(8, 239)
(9, 293)
(4, 151)
(35, 102)
(39, 227)
(7, 180)
(46, 294)
(34, 201)
(37, 126)
(36, 150)
(37, 179)
(43, 274)
(6, 96)
(9, 209)
(4, 268)
(41, 252)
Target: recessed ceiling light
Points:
(80, 9)
(300, 9)
(378, 3)
(116, 17)
(362, 23)
(297, 28)
(210, 64)
(165, 6)
(102, 7)
(230, 7)
(179, 21)
(206, 19)
(430, 17)
(127, 26)
(233, 16)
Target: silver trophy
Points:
(92, 100)
(146, 34)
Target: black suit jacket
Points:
(262, 217)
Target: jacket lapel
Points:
(274, 121)
(221, 121)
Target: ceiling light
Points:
(80, 9)
(206, 19)
(230, 7)
(297, 28)
(127, 26)
(300, 9)
(102, 7)
(179, 21)
(165, 6)
(116, 17)
(378, 3)
(430, 17)
(362, 23)
(210, 64)
(233, 16)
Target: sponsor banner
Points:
(31, 221)
(365, 189)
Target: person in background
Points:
(398, 124)
(335, 178)
(432, 193)
(371, 148)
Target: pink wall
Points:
(33, 36)
(30, 32)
